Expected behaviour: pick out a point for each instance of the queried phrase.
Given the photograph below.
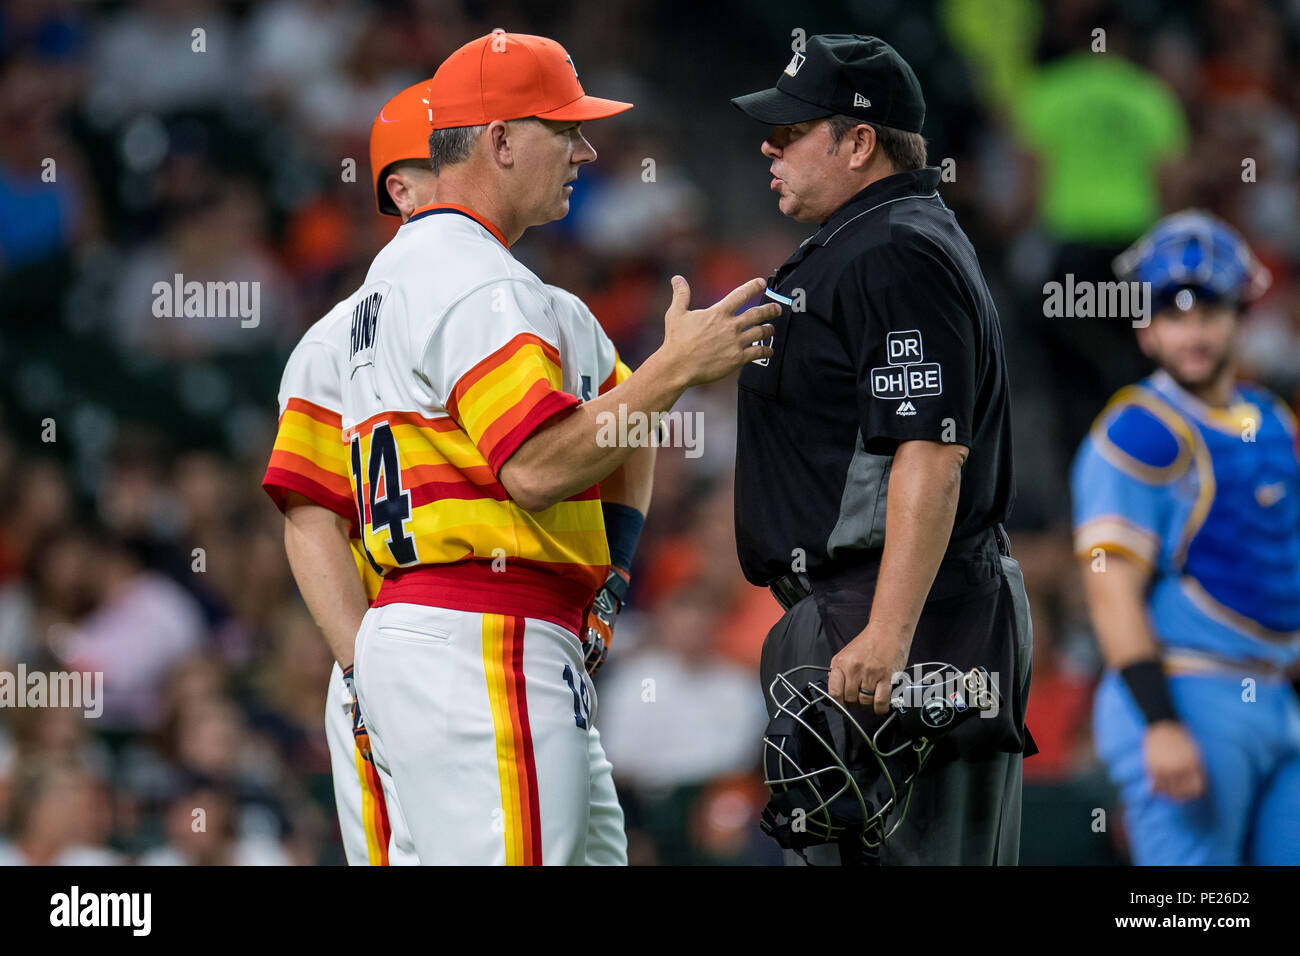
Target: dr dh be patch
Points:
(907, 375)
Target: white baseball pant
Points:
(372, 829)
(481, 725)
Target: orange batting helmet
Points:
(400, 132)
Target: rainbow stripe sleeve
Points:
(309, 457)
(508, 396)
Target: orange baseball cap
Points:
(505, 76)
(400, 132)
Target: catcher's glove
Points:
(598, 635)
(359, 732)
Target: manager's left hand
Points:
(863, 672)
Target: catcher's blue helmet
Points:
(1193, 256)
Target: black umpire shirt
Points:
(887, 333)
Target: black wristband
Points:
(623, 525)
(1146, 682)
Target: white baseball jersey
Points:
(469, 666)
(457, 354)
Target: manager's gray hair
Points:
(447, 147)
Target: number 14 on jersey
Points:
(383, 507)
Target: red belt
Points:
(519, 590)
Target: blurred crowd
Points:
(227, 141)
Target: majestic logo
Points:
(860, 100)
(906, 408)
(795, 63)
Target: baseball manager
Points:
(873, 460)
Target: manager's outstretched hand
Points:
(709, 344)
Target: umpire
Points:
(873, 460)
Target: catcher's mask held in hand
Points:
(844, 775)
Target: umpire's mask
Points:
(844, 775)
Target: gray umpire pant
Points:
(963, 812)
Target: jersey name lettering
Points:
(365, 322)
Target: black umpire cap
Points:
(842, 73)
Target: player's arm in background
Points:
(625, 501)
(1117, 605)
(307, 478)
(631, 484)
(318, 544)
(1119, 485)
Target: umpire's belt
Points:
(790, 589)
